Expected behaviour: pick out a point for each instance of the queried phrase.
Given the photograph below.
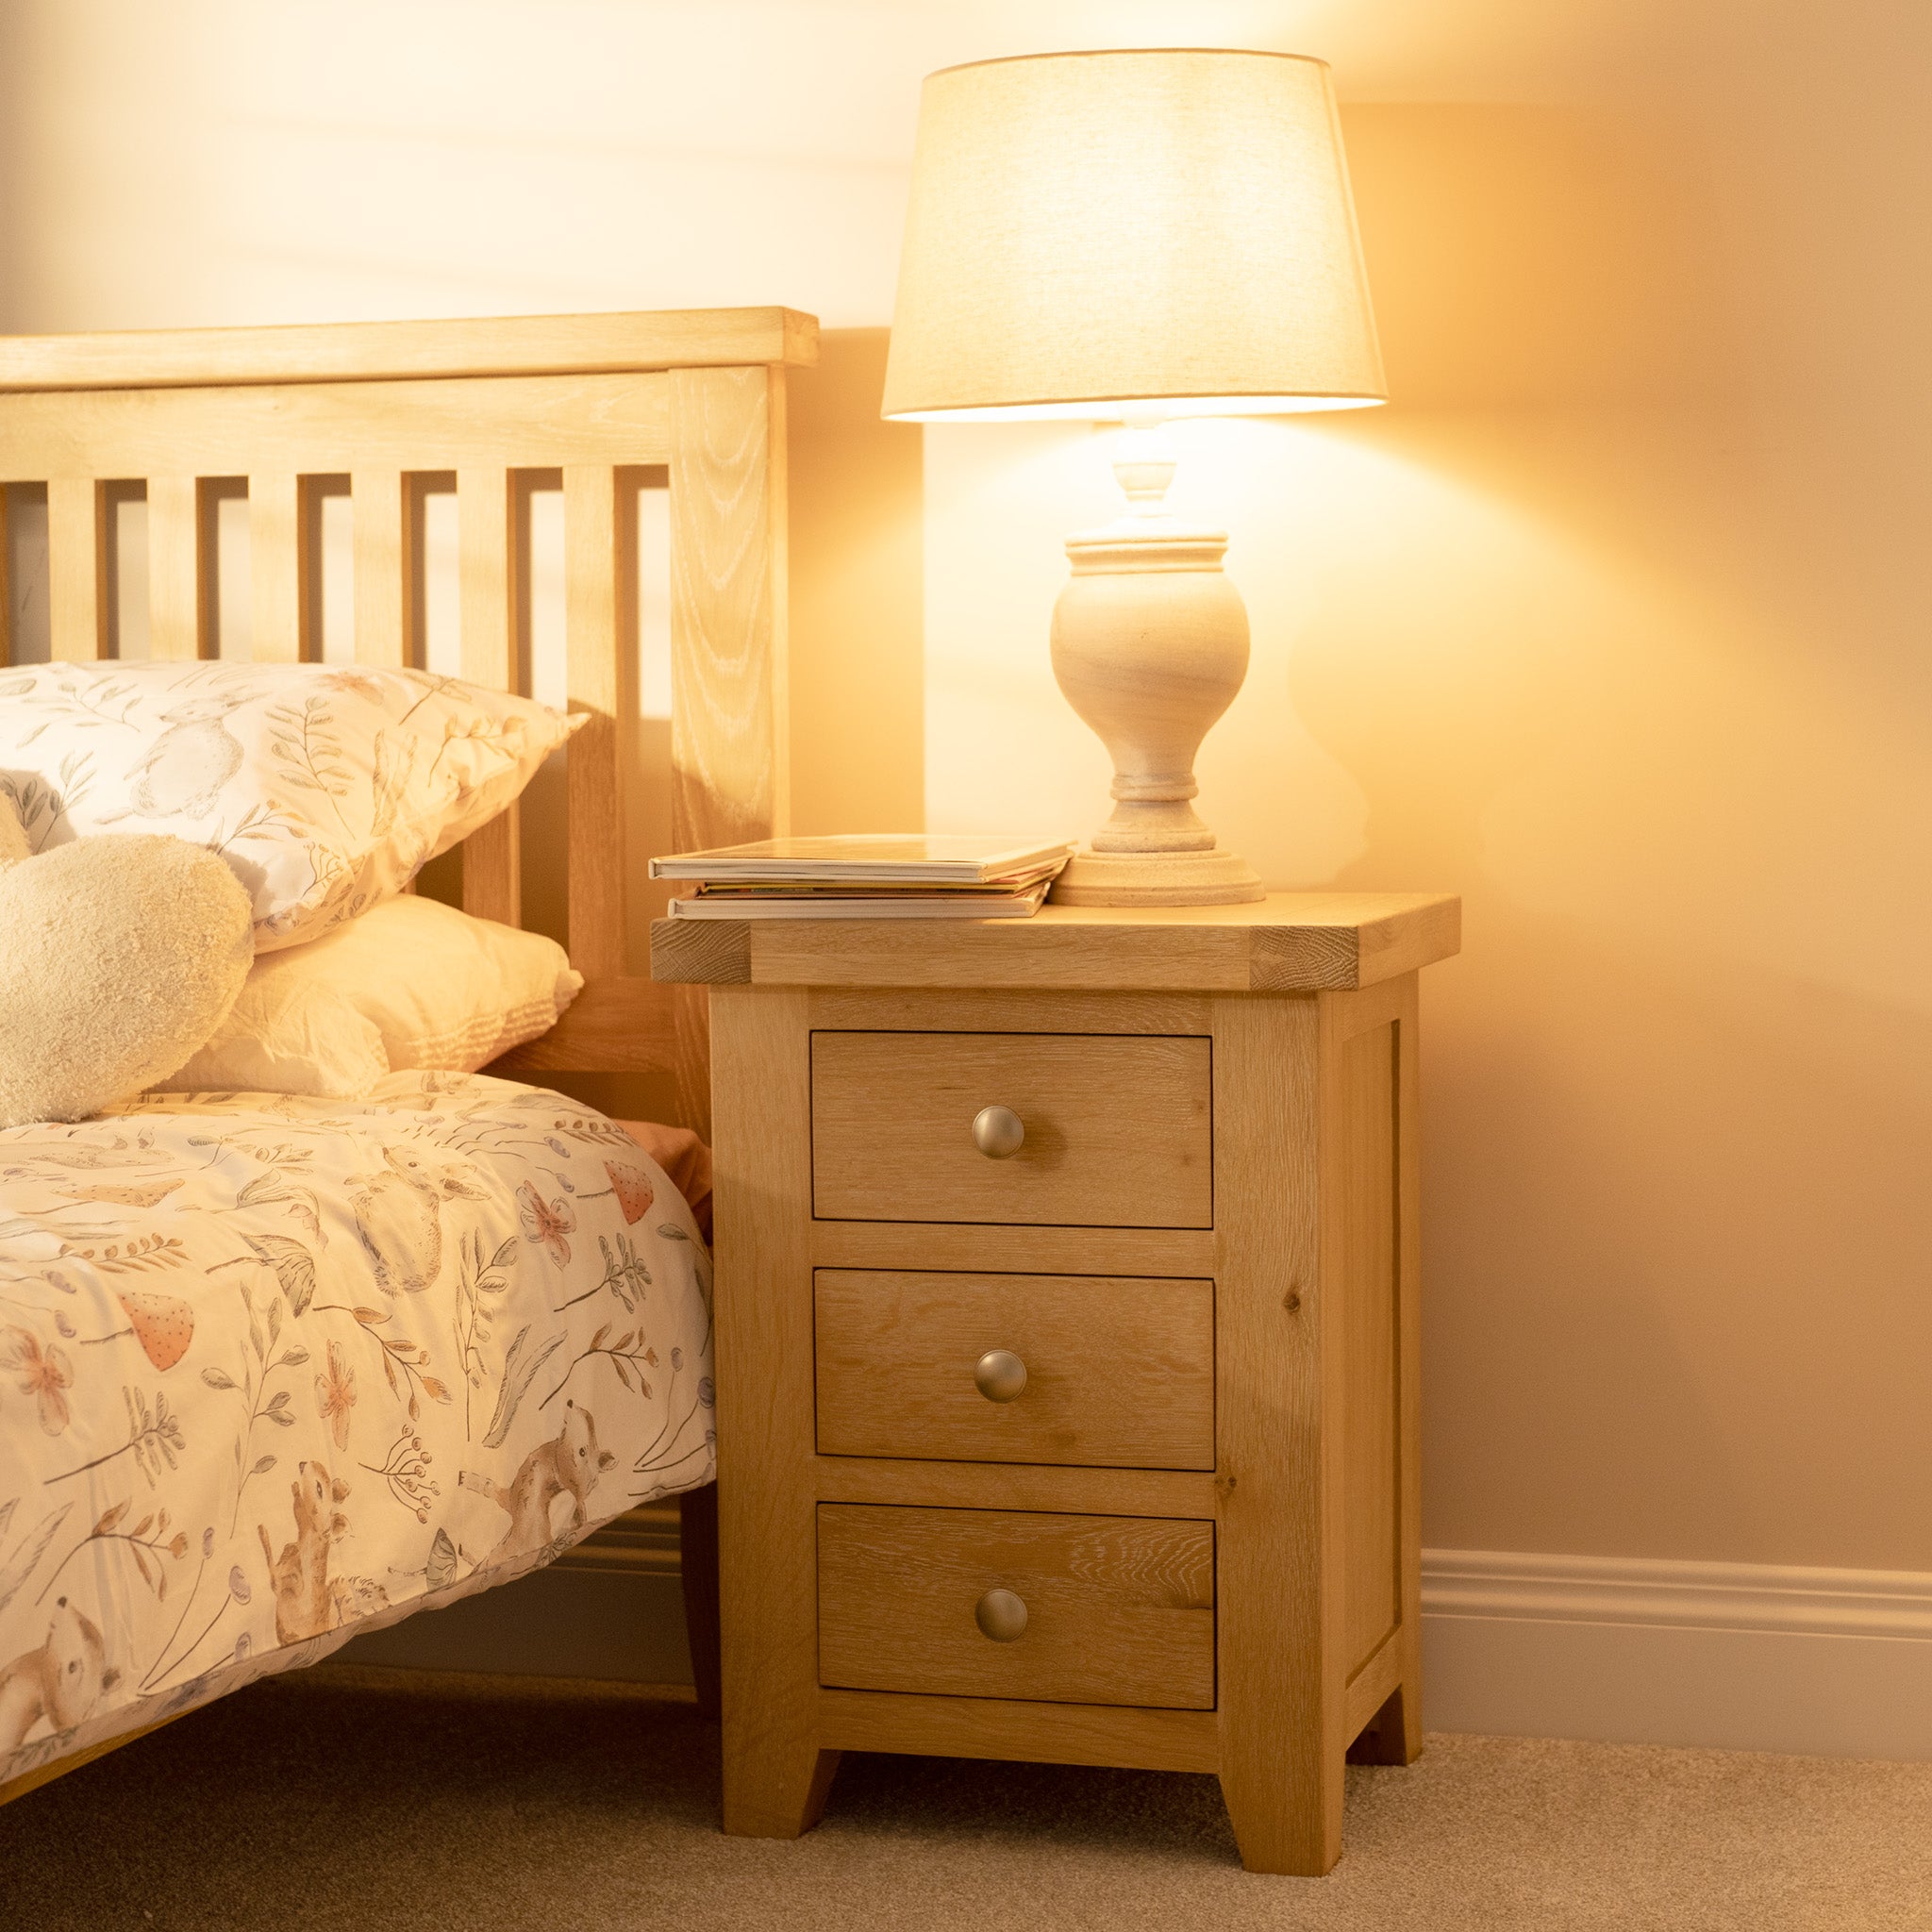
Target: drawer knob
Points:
(1001, 1615)
(998, 1132)
(1000, 1375)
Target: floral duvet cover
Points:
(274, 1370)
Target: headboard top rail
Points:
(384, 351)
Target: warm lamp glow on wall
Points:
(1125, 237)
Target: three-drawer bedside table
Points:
(1067, 1346)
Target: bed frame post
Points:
(730, 775)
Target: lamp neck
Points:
(1144, 461)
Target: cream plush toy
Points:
(119, 957)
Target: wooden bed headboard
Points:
(699, 395)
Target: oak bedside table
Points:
(1067, 1344)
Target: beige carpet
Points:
(383, 1802)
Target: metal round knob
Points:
(1000, 1615)
(998, 1132)
(1000, 1375)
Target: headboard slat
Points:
(278, 569)
(486, 552)
(596, 593)
(77, 568)
(177, 570)
(380, 502)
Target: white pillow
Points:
(324, 787)
(413, 983)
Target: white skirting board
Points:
(1738, 1657)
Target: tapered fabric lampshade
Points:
(1091, 230)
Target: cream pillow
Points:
(118, 957)
(411, 983)
(325, 787)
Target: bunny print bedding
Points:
(274, 1370)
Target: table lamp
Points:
(1125, 237)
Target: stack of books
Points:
(867, 875)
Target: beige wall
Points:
(1616, 620)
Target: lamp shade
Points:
(1157, 225)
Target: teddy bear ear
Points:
(338, 1489)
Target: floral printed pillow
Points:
(327, 788)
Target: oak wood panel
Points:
(1277, 1355)
(382, 507)
(598, 594)
(1015, 1728)
(614, 1025)
(1089, 1491)
(1118, 1128)
(1173, 1251)
(278, 569)
(1368, 1281)
(775, 1775)
(77, 569)
(487, 605)
(466, 346)
(1376, 1677)
(1119, 1609)
(1396, 1734)
(1287, 943)
(729, 743)
(1118, 1372)
(998, 1010)
(180, 561)
(528, 421)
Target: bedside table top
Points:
(1287, 943)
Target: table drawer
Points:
(1118, 1372)
(1117, 1609)
(1118, 1129)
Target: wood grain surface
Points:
(774, 1774)
(600, 593)
(494, 347)
(528, 422)
(1118, 1372)
(1119, 1608)
(1017, 1728)
(1371, 1521)
(180, 568)
(1277, 1361)
(729, 779)
(1118, 1128)
(381, 503)
(487, 599)
(1394, 1733)
(1287, 943)
(279, 567)
(1022, 1250)
(77, 567)
(1080, 1490)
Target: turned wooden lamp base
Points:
(1150, 644)
(1157, 878)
